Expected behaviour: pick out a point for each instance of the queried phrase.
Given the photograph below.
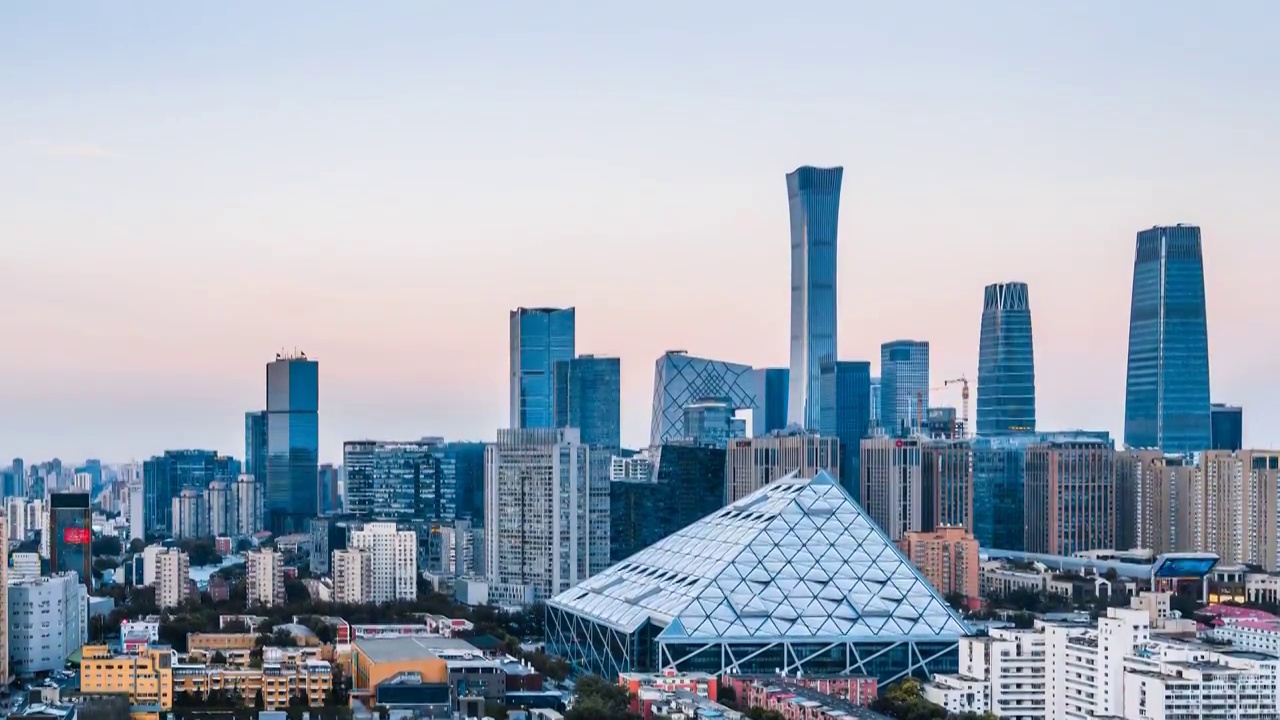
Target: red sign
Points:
(897, 443)
(77, 536)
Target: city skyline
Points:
(321, 216)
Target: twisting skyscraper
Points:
(1166, 402)
(814, 196)
(1006, 362)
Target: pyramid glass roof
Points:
(796, 560)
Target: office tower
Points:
(875, 404)
(542, 535)
(352, 577)
(947, 557)
(190, 515)
(1006, 362)
(772, 391)
(328, 534)
(844, 402)
(255, 444)
(71, 530)
(1070, 496)
(904, 386)
(539, 338)
(19, 469)
(1226, 427)
(814, 198)
(1167, 391)
(329, 500)
(462, 467)
(755, 462)
(393, 555)
(264, 576)
(1157, 518)
(712, 423)
(173, 569)
(1233, 507)
(4, 600)
(587, 394)
(941, 423)
(399, 481)
(248, 502)
(293, 442)
(165, 476)
(947, 480)
(683, 484)
(48, 621)
(893, 492)
(220, 501)
(680, 379)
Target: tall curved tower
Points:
(814, 197)
(1166, 399)
(1006, 362)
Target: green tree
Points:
(258, 702)
(136, 545)
(107, 545)
(599, 699)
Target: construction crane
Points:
(964, 397)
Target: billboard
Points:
(1184, 565)
(77, 536)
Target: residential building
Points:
(683, 484)
(1226, 427)
(281, 681)
(1006, 362)
(844, 413)
(395, 481)
(680, 379)
(1158, 515)
(755, 462)
(26, 566)
(248, 501)
(393, 556)
(813, 195)
(586, 394)
(48, 620)
(1167, 386)
(165, 476)
(15, 511)
(352, 576)
(893, 492)
(190, 515)
(264, 576)
(220, 500)
(290, 494)
(539, 338)
(904, 386)
(71, 531)
(772, 391)
(173, 570)
(948, 558)
(146, 676)
(1232, 507)
(1070, 496)
(946, 476)
(542, 534)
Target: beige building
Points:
(146, 677)
(264, 576)
(755, 462)
(947, 557)
(393, 558)
(1070, 496)
(1161, 509)
(352, 576)
(892, 484)
(1232, 506)
(947, 477)
(173, 569)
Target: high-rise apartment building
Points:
(173, 569)
(293, 443)
(893, 492)
(399, 481)
(844, 413)
(1159, 511)
(190, 514)
(946, 474)
(947, 557)
(587, 394)
(904, 386)
(48, 621)
(813, 195)
(248, 502)
(264, 577)
(1232, 507)
(1167, 389)
(680, 379)
(1070, 496)
(539, 338)
(1226, 427)
(393, 555)
(755, 462)
(220, 500)
(679, 485)
(71, 531)
(542, 533)
(352, 576)
(1006, 362)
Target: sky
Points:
(187, 189)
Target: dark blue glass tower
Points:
(1167, 390)
(587, 396)
(71, 535)
(814, 197)
(845, 413)
(1006, 362)
(255, 445)
(904, 386)
(772, 395)
(687, 485)
(539, 338)
(1227, 427)
(291, 493)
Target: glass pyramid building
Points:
(794, 578)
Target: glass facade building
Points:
(1006, 362)
(1167, 388)
(904, 386)
(1226, 427)
(71, 536)
(588, 396)
(540, 337)
(462, 468)
(680, 379)
(813, 195)
(772, 390)
(255, 445)
(291, 492)
(398, 481)
(844, 401)
(687, 484)
(165, 476)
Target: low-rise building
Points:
(146, 676)
(277, 683)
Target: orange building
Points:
(947, 557)
(146, 677)
(380, 659)
(669, 681)
(278, 682)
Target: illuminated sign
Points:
(1185, 567)
(77, 536)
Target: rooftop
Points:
(410, 648)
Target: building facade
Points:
(1159, 512)
(755, 462)
(264, 577)
(1070, 497)
(173, 569)
(772, 393)
(1006, 362)
(684, 484)
(539, 338)
(1226, 427)
(587, 394)
(1232, 507)
(904, 386)
(220, 500)
(948, 558)
(844, 413)
(48, 621)
(813, 195)
(946, 474)
(290, 495)
(71, 528)
(712, 422)
(1167, 387)
(255, 445)
(190, 515)
(680, 379)
(352, 577)
(395, 481)
(393, 555)
(893, 492)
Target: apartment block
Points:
(264, 577)
(393, 557)
(146, 676)
(173, 569)
(947, 557)
(352, 576)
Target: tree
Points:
(107, 545)
(599, 699)
(759, 713)
(258, 702)
(218, 658)
(136, 545)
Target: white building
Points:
(173, 569)
(394, 559)
(221, 501)
(190, 515)
(48, 620)
(15, 510)
(352, 576)
(26, 566)
(1114, 669)
(248, 502)
(264, 577)
(150, 564)
(136, 514)
(542, 534)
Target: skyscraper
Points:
(586, 394)
(71, 531)
(904, 385)
(398, 481)
(1070, 497)
(539, 337)
(293, 443)
(1227, 427)
(255, 445)
(1006, 362)
(686, 485)
(845, 413)
(814, 198)
(680, 379)
(1167, 390)
(772, 389)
